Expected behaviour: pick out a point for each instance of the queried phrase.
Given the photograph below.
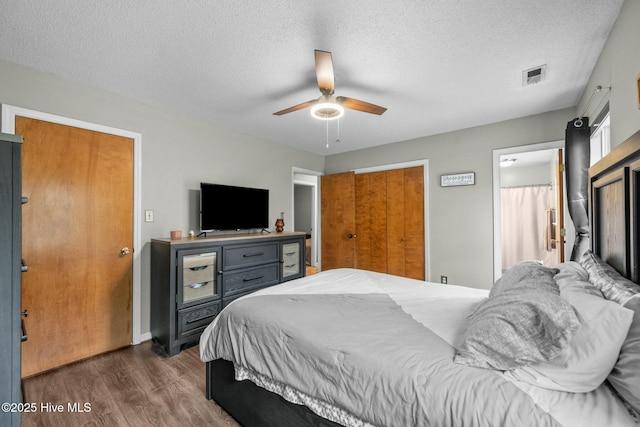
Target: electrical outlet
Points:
(443, 279)
(148, 216)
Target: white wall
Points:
(178, 153)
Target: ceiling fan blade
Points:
(296, 107)
(355, 104)
(324, 72)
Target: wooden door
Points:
(338, 220)
(79, 219)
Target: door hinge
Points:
(561, 167)
(563, 232)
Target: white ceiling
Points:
(437, 65)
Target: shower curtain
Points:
(525, 225)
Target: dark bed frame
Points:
(614, 207)
(614, 185)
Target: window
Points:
(600, 142)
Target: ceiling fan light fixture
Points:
(327, 111)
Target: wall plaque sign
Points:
(457, 179)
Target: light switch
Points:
(148, 216)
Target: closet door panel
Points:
(371, 221)
(363, 222)
(338, 220)
(379, 220)
(395, 222)
(414, 222)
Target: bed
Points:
(546, 346)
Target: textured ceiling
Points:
(437, 65)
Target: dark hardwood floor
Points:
(128, 387)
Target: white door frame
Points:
(8, 125)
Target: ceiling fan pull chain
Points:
(338, 131)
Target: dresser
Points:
(192, 279)
(11, 331)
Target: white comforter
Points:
(442, 309)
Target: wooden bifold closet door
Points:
(388, 222)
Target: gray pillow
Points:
(523, 321)
(625, 376)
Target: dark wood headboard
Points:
(614, 205)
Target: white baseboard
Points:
(144, 337)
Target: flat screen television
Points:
(226, 207)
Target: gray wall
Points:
(303, 202)
(178, 153)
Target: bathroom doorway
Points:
(305, 214)
(529, 207)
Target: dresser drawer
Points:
(243, 256)
(250, 279)
(194, 320)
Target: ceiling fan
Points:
(328, 106)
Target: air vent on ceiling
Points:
(534, 75)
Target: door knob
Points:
(125, 251)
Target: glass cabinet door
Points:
(198, 278)
(291, 259)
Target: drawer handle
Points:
(201, 267)
(198, 285)
(250, 279)
(253, 254)
(290, 253)
(291, 265)
(188, 322)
